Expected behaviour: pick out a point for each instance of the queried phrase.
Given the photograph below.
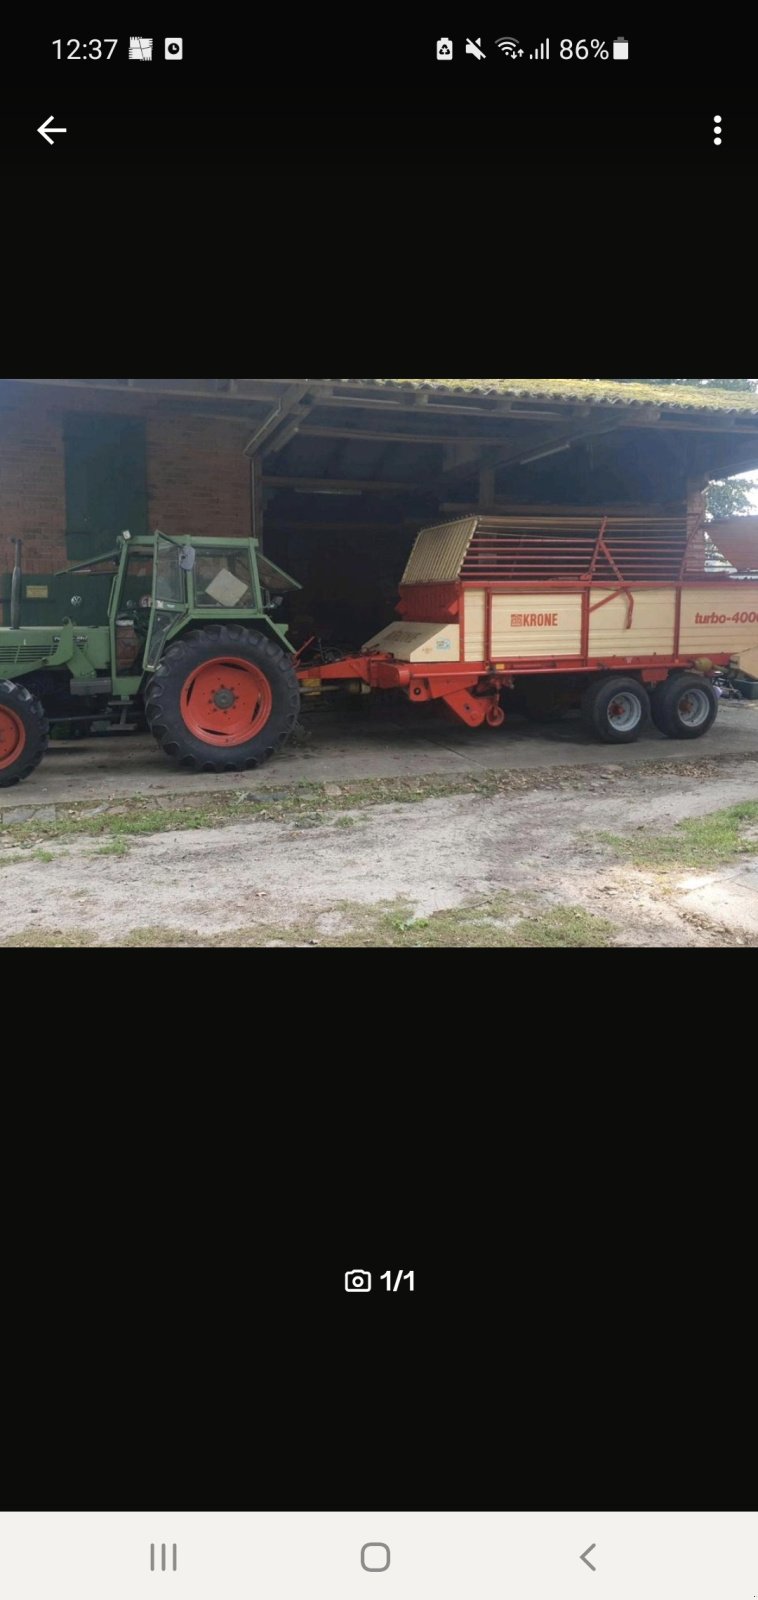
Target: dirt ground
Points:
(386, 741)
(655, 852)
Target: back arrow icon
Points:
(45, 129)
(586, 1554)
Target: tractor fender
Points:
(262, 625)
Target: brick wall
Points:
(198, 477)
(32, 488)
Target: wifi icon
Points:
(509, 47)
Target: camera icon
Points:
(358, 1282)
(174, 49)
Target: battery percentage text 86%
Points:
(582, 49)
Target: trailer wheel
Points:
(616, 710)
(685, 706)
(224, 699)
(24, 733)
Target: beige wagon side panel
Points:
(720, 621)
(419, 641)
(530, 626)
(653, 628)
(749, 662)
(475, 619)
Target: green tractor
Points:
(187, 644)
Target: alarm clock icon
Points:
(174, 49)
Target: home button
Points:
(375, 1557)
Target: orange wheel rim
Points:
(12, 737)
(226, 701)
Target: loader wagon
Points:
(614, 614)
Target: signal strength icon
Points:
(542, 54)
(509, 47)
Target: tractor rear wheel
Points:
(24, 733)
(224, 699)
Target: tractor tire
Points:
(24, 733)
(616, 710)
(224, 699)
(685, 706)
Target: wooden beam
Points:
(384, 436)
(273, 424)
(340, 485)
(179, 388)
(289, 525)
(451, 408)
(256, 468)
(556, 440)
(506, 508)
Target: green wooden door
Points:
(106, 482)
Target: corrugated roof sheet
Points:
(595, 391)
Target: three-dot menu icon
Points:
(717, 130)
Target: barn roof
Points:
(480, 440)
(596, 391)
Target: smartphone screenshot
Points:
(423, 1330)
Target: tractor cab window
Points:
(170, 598)
(133, 618)
(136, 597)
(224, 580)
(171, 585)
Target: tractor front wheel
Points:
(224, 699)
(24, 733)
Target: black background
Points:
(296, 180)
(176, 1331)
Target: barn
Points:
(337, 475)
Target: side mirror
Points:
(187, 558)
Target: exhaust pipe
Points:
(16, 581)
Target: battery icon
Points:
(621, 49)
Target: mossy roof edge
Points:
(597, 391)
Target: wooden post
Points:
(257, 498)
(486, 488)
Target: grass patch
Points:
(163, 938)
(306, 806)
(699, 842)
(50, 939)
(310, 805)
(496, 923)
(117, 847)
(18, 860)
